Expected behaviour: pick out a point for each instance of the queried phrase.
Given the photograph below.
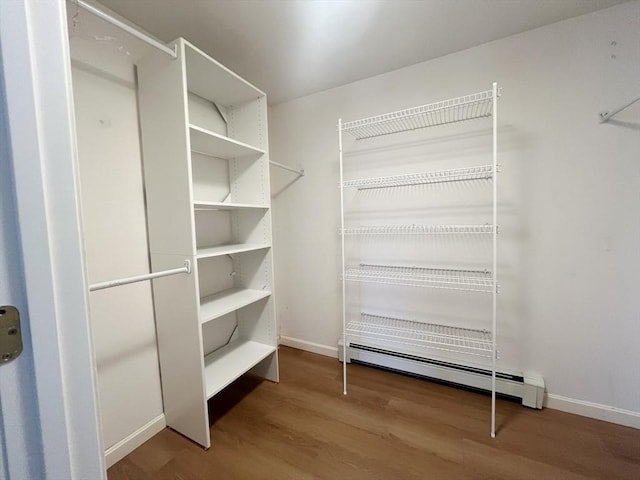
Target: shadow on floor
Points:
(228, 398)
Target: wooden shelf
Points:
(219, 146)
(230, 249)
(227, 301)
(231, 361)
(203, 205)
(209, 79)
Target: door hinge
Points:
(10, 334)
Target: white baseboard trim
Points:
(127, 445)
(309, 346)
(598, 411)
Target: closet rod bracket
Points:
(606, 115)
(300, 172)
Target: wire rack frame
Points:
(450, 279)
(482, 172)
(468, 107)
(478, 105)
(418, 229)
(399, 331)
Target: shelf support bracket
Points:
(222, 112)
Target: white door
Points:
(19, 428)
(49, 427)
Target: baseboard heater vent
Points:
(529, 389)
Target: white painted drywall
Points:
(115, 234)
(570, 192)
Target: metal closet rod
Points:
(286, 167)
(127, 28)
(139, 278)
(605, 116)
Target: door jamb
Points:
(37, 69)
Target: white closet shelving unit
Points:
(411, 336)
(206, 169)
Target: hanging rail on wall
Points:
(127, 28)
(139, 278)
(605, 116)
(280, 165)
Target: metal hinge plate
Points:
(10, 334)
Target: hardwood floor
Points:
(390, 426)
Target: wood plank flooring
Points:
(390, 426)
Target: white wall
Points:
(115, 238)
(569, 191)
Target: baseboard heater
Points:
(528, 388)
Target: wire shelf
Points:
(468, 107)
(449, 279)
(401, 333)
(418, 229)
(482, 172)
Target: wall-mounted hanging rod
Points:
(127, 28)
(139, 278)
(276, 164)
(605, 116)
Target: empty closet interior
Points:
(452, 219)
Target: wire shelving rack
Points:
(411, 335)
(468, 107)
(399, 332)
(448, 279)
(418, 229)
(483, 172)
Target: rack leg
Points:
(493, 407)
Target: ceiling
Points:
(292, 48)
